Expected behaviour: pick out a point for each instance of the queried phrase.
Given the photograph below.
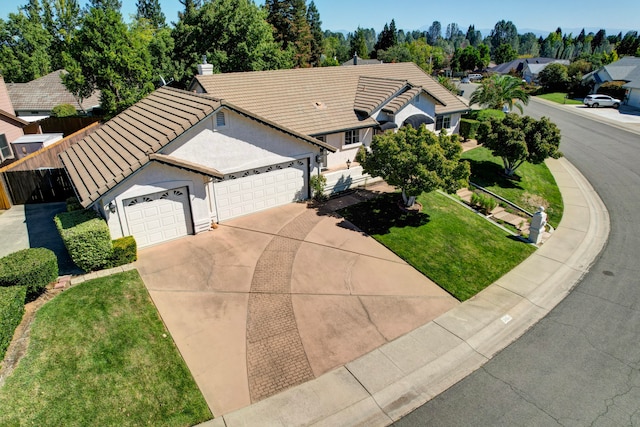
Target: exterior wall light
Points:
(348, 163)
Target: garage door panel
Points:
(248, 194)
(157, 217)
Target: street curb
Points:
(393, 380)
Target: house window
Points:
(5, 149)
(352, 137)
(443, 122)
(221, 120)
(322, 138)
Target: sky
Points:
(541, 15)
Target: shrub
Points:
(469, 128)
(32, 269)
(125, 251)
(613, 89)
(318, 182)
(86, 237)
(485, 202)
(488, 114)
(73, 204)
(63, 110)
(11, 310)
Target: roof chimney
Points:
(205, 69)
(355, 58)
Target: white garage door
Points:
(157, 217)
(259, 189)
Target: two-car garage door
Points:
(260, 189)
(165, 215)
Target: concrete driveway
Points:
(271, 300)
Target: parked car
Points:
(601, 101)
(475, 76)
(465, 80)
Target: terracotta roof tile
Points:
(372, 92)
(316, 101)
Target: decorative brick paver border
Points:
(276, 359)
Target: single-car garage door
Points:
(157, 217)
(258, 189)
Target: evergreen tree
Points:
(105, 56)
(358, 45)
(233, 34)
(434, 33)
(24, 46)
(151, 11)
(315, 24)
(504, 32)
(190, 7)
(387, 38)
(291, 28)
(105, 4)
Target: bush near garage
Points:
(11, 310)
(469, 128)
(125, 251)
(32, 268)
(87, 239)
(613, 89)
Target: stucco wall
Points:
(240, 145)
(339, 158)
(153, 178)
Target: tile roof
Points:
(133, 138)
(45, 93)
(316, 101)
(372, 92)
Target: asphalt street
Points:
(580, 365)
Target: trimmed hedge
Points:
(469, 128)
(125, 251)
(73, 204)
(32, 269)
(11, 311)
(87, 239)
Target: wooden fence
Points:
(38, 186)
(44, 159)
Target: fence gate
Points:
(38, 186)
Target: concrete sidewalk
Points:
(389, 382)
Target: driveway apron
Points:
(274, 299)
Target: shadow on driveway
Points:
(43, 233)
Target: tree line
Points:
(126, 61)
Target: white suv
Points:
(601, 101)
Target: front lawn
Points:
(456, 248)
(559, 98)
(533, 185)
(100, 355)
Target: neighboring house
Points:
(343, 106)
(176, 162)
(11, 127)
(627, 69)
(518, 65)
(531, 71)
(34, 100)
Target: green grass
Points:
(100, 355)
(457, 249)
(532, 186)
(559, 98)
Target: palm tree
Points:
(498, 91)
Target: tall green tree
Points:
(498, 90)
(417, 161)
(104, 55)
(234, 36)
(504, 53)
(317, 37)
(61, 19)
(434, 33)
(387, 38)
(467, 59)
(358, 45)
(105, 4)
(151, 11)
(554, 78)
(504, 32)
(291, 28)
(518, 139)
(24, 46)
